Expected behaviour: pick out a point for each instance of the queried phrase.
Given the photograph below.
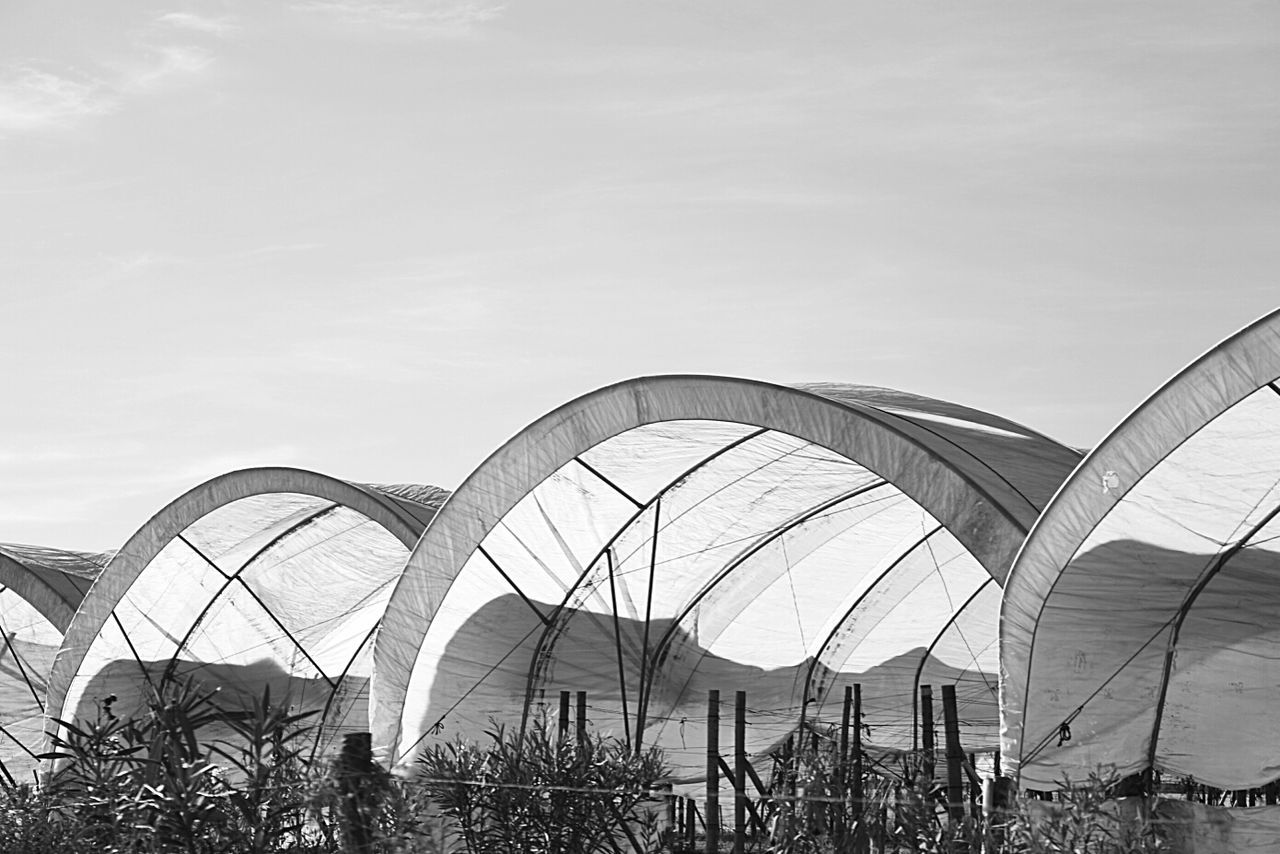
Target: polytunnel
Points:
(1141, 622)
(665, 536)
(40, 589)
(267, 578)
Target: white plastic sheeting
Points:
(40, 589)
(1141, 622)
(1190, 828)
(669, 535)
(260, 578)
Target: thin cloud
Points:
(220, 27)
(9, 458)
(426, 17)
(278, 249)
(32, 100)
(165, 67)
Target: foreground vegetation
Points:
(155, 783)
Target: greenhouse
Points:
(40, 589)
(665, 536)
(260, 579)
(1139, 628)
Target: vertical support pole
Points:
(712, 811)
(975, 789)
(677, 821)
(690, 823)
(857, 769)
(926, 730)
(842, 767)
(355, 769)
(582, 718)
(564, 715)
(739, 772)
(997, 795)
(786, 808)
(955, 753)
(642, 699)
(844, 728)
(617, 648)
(989, 828)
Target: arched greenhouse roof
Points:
(1139, 628)
(53, 581)
(667, 535)
(40, 589)
(262, 577)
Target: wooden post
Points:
(859, 806)
(673, 820)
(842, 766)
(955, 753)
(788, 777)
(975, 788)
(564, 715)
(712, 812)
(676, 814)
(355, 772)
(844, 729)
(926, 730)
(997, 796)
(739, 772)
(690, 823)
(582, 718)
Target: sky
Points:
(376, 238)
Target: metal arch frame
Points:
(849, 612)
(1226, 374)
(662, 648)
(924, 658)
(170, 522)
(556, 623)
(931, 415)
(1175, 632)
(982, 511)
(237, 577)
(53, 604)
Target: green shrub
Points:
(543, 793)
(154, 783)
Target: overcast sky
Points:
(376, 238)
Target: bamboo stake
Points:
(712, 812)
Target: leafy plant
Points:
(542, 792)
(269, 776)
(157, 782)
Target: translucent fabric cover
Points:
(30, 642)
(1029, 463)
(40, 589)
(1156, 642)
(274, 590)
(681, 555)
(1192, 828)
